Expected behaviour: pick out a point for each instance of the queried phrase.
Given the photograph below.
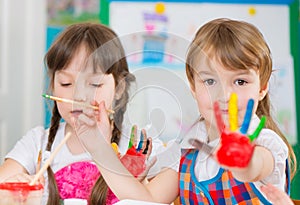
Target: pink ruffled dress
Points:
(77, 181)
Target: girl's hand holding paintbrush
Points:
(23, 177)
(94, 128)
(89, 111)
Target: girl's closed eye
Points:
(97, 85)
(65, 84)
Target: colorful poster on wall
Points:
(64, 12)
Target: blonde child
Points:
(87, 64)
(226, 56)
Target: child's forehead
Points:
(212, 63)
(89, 72)
(207, 63)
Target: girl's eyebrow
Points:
(63, 72)
(96, 74)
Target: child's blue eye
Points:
(240, 82)
(209, 82)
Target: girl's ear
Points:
(263, 91)
(120, 89)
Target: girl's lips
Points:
(75, 113)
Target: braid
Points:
(120, 109)
(53, 198)
(99, 192)
(54, 126)
(100, 189)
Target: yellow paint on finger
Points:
(115, 147)
(233, 112)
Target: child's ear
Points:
(264, 90)
(120, 89)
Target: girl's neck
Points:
(74, 145)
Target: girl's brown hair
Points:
(108, 55)
(237, 45)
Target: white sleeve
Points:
(167, 157)
(26, 149)
(270, 140)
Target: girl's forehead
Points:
(77, 71)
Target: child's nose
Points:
(79, 93)
(224, 94)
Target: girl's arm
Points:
(125, 186)
(161, 189)
(10, 168)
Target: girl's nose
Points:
(79, 93)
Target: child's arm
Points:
(162, 189)
(10, 168)
(260, 166)
(276, 196)
(237, 151)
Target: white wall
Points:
(22, 47)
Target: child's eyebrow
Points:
(63, 72)
(96, 74)
(205, 73)
(243, 72)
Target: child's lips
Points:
(224, 111)
(75, 113)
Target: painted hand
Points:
(136, 156)
(236, 148)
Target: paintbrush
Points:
(39, 160)
(50, 159)
(58, 99)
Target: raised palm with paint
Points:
(135, 156)
(236, 146)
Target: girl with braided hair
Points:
(86, 64)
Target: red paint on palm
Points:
(236, 149)
(134, 161)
